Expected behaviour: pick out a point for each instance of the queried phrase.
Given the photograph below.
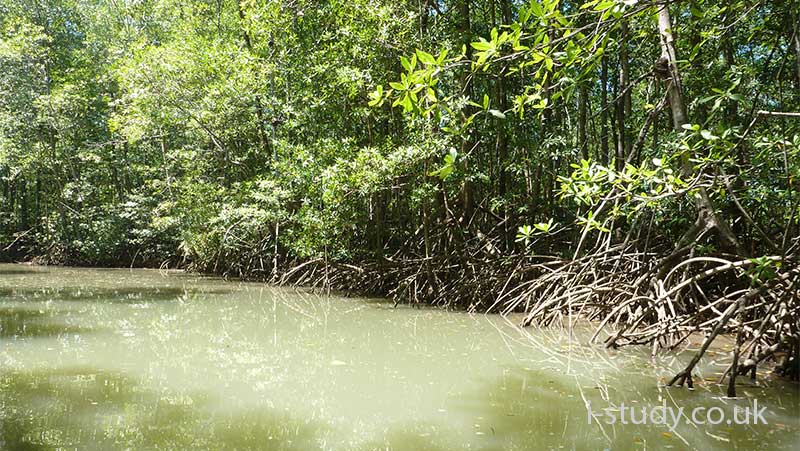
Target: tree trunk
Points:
(604, 110)
(23, 205)
(466, 37)
(624, 107)
(583, 101)
(262, 133)
(730, 61)
(424, 15)
(613, 120)
(797, 50)
(502, 134)
(666, 66)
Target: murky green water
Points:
(119, 359)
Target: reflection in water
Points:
(118, 294)
(8, 270)
(25, 322)
(85, 409)
(118, 359)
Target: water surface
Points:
(140, 359)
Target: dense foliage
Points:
(217, 132)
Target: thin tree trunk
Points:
(666, 65)
(796, 42)
(262, 133)
(466, 37)
(502, 135)
(604, 110)
(624, 108)
(613, 120)
(583, 100)
(424, 13)
(23, 205)
(730, 61)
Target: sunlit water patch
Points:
(121, 359)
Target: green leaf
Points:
(442, 56)
(406, 63)
(536, 9)
(690, 127)
(707, 135)
(449, 165)
(407, 104)
(482, 45)
(604, 5)
(431, 95)
(426, 57)
(450, 158)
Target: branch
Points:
(778, 114)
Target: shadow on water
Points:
(529, 409)
(522, 410)
(20, 271)
(408, 437)
(122, 295)
(87, 409)
(27, 323)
